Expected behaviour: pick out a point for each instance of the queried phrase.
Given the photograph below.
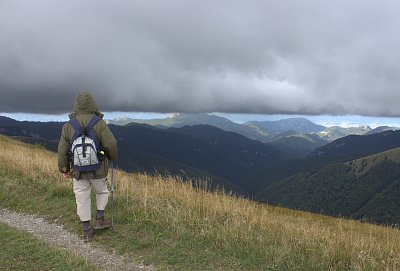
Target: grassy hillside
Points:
(365, 164)
(365, 188)
(178, 226)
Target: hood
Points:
(85, 104)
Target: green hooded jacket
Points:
(85, 108)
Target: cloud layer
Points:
(292, 57)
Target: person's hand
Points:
(67, 175)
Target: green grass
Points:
(173, 226)
(21, 251)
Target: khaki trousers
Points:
(82, 190)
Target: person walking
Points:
(87, 118)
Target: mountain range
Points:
(184, 119)
(355, 176)
(259, 130)
(264, 131)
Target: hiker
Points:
(84, 178)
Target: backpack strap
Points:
(77, 128)
(89, 129)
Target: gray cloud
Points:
(295, 57)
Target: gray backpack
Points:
(85, 146)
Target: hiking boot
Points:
(102, 223)
(88, 235)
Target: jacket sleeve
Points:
(108, 143)
(63, 151)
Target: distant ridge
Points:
(296, 144)
(190, 119)
(292, 124)
(264, 131)
(356, 146)
(381, 129)
(336, 132)
(121, 121)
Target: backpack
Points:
(85, 146)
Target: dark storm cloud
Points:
(304, 57)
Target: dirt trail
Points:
(57, 236)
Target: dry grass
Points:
(363, 165)
(280, 236)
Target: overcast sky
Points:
(267, 57)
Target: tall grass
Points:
(262, 237)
